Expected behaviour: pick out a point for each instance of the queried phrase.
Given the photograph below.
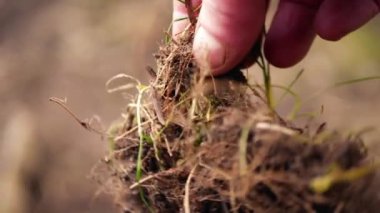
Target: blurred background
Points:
(70, 48)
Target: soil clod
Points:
(205, 144)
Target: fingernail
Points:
(209, 51)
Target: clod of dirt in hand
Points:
(247, 158)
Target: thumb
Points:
(226, 31)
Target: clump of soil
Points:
(191, 143)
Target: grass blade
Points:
(289, 87)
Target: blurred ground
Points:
(65, 48)
(70, 48)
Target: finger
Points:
(291, 33)
(337, 18)
(180, 14)
(226, 31)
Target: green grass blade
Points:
(342, 83)
(323, 183)
(357, 80)
(140, 132)
(289, 87)
(297, 101)
(243, 144)
(167, 37)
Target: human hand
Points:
(227, 29)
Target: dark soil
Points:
(213, 145)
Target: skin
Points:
(227, 29)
